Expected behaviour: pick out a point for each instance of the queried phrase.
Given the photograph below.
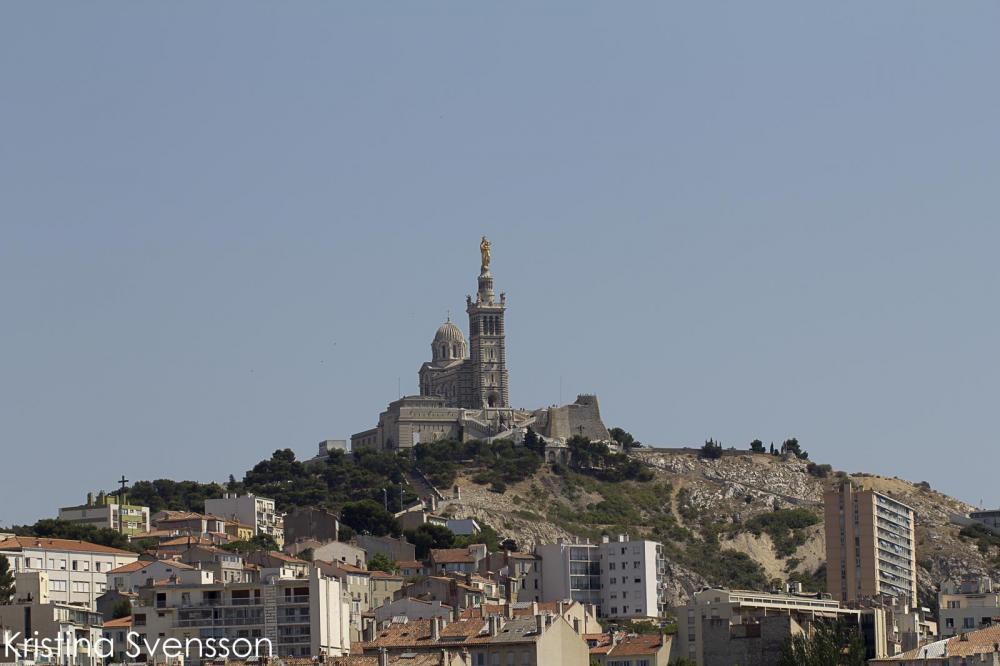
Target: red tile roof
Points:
(19, 543)
(452, 556)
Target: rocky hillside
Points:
(740, 519)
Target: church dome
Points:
(449, 344)
(448, 332)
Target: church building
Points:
(464, 389)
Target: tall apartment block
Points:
(258, 512)
(870, 545)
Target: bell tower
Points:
(487, 342)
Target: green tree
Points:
(379, 562)
(122, 608)
(711, 450)
(429, 536)
(258, 542)
(757, 446)
(6, 581)
(624, 438)
(791, 445)
(369, 517)
(829, 644)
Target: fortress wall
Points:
(583, 417)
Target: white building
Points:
(51, 620)
(130, 577)
(258, 512)
(77, 571)
(621, 578)
(300, 617)
(106, 512)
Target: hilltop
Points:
(741, 519)
(735, 518)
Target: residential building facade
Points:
(968, 605)
(870, 545)
(258, 512)
(301, 617)
(108, 512)
(77, 571)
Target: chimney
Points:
(383, 657)
(445, 658)
(576, 624)
(368, 634)
(435, 628)
(560, 607)
(494, 625)
(539, 624)
(509, 610)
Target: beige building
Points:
(76, 571)
(870, 545)
(968, 605)
(714, 616)
(301, 617)
(975, 648)
(540, 640)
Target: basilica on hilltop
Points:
(464, 390)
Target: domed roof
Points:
(448, 332)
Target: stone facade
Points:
(464, 390)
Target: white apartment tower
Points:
(622, 578)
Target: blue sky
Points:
(234, 227)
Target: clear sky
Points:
(232, 227)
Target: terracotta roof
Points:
(278, 555)
(120, 623)
(139, 565)
(19, 543)
(452, 556)
(375, 573)
(978, 642)
(410, 564)
(641, 644)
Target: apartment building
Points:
(967, 605)
(870, 545)
(77, 571)
(715, 616)
(356, 583)
(301, 617)
(313, 523)
(395, 549)
(457, 560)
(541, 640)
(51, 620)
(258, 512)
(130, 577)
(622, 578)
(108, 512)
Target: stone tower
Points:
(488, 358)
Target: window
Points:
(57, 586)
(82, 587)
(969, 623)
(76, 565)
